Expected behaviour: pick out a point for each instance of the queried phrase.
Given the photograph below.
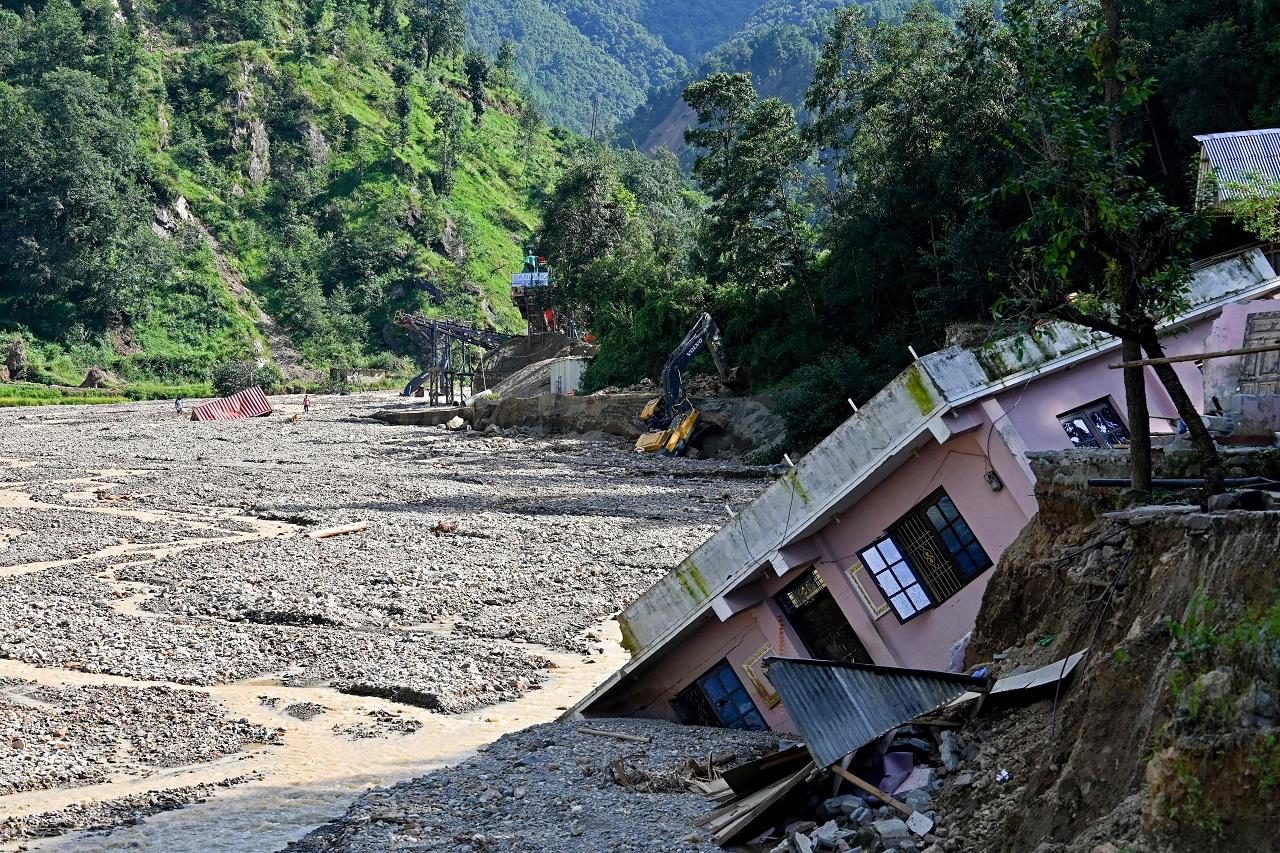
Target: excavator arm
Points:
(673, 417)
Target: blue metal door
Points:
(729, 699)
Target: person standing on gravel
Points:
(177, 406)
(306, 403)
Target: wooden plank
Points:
(718, 817)
(754, 775)
(767, 798)
(619, 735)
(917, 822)
(1204, 356)
(330, 532)
(871, 789)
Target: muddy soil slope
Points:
(1167, 739)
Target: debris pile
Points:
(901, 728)
(744, 424)
(536, 350)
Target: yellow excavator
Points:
(672, 420)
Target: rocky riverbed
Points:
(164, 606)
(552, 788)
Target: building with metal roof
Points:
(877, 547)
(1237, 165)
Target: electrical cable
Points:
(991, 469)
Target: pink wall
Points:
(736, 640)
(957, 466)
(1034, 409)
(995, 517)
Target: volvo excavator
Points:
(672, 420)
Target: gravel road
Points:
(146, 554)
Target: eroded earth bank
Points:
(172, 634)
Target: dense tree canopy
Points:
(75, 246)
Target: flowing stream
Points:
(308, 779)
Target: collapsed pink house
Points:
(877, 547)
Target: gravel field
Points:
(111, 813)
(58, 737)
(153, 553)
(552, 789)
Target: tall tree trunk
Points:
(1201, 440)
(1135, 380)
(1135, 393)
(1112, 87)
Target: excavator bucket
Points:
(736, 379)
(650, 409)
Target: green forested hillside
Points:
(579, 59)
(777, 45)
(185, 183)
(598, 60)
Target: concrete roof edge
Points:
(1070, 359)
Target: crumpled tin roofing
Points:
(250, 403)
(1243, 159)
(839, 708)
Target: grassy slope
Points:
(195, 320)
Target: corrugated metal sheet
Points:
(566, 375)
(839, 708)
(1248, 158)
(250, 403)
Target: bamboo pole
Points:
(1204, 356)
(872, 790)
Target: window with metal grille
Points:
(928, 556)
(898, 582)
(823, 628)
(1096, 425)
(718, 699)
